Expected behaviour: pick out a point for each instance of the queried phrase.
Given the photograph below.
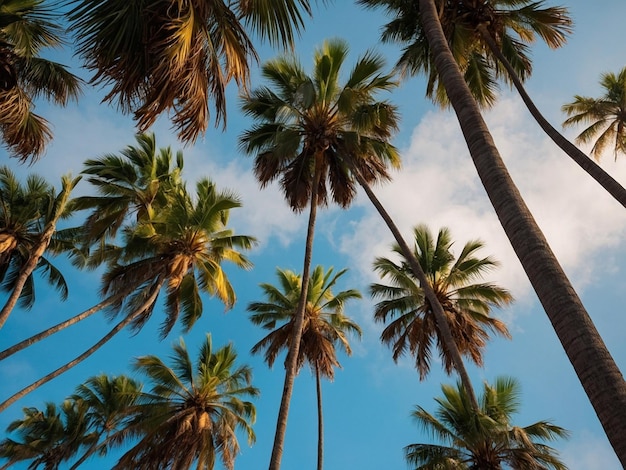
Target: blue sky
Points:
(367, 407)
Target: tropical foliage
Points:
(606, 116)
(487, 440)
(412, 327)
(27, 28)
(191, 414)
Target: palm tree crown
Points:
(26, 28)
(511, 24)
(315, 131)
(325, 324)
(466, 303)
(192, 413)
(606, 115)
(177, 56)
(486, 440)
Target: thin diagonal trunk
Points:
(291, 363)
(587, 164)
(599, 375)
(61, 326)
(116, 329)
(320, 420)
(440, 316)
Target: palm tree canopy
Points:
(138, 182)
(512, 24)
(48, 438)
(177, 56)
(325, 324)
(312, 127)
(27, 27)
(26, 210)
(606, 115)
(186, 245)
(192, 413)
(486, 440)
(467, 302)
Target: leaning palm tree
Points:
(317, 136)
(325, 326)
(182, 250)
(489, 41)
(580, 339)
(29, 214)
(177, 56)
(109, 402)
(191, 414)
(487, 440)
(132, 187)
(606, 115)
(27, 28)
(467, 302)
(48, 438)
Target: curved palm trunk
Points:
(599, 375)
(587, 164)
(60, 326)
(291, 363)
(116, 329)
(38, 251)
(440, 316)
(320, 420)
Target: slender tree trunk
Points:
(38, 251)
(440, 316)
(92, 448)
(599, 375)
(116, 329)
(291, 362)
(58, 327)
(587, 164)
(320, 420)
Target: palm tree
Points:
(325, 325)
(605, 115)
(192, 413)
(109, 402)
(177, 56)
(181, 249)
(581, 341)
(29, 214)
(487, 440)
(314, 133)
(467, 302)
(48, 438)
(27, 27)
(136, 183)
(485, 38)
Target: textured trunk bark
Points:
(116, 329)
(599, 375)
(587, 164)
(320, 420)
(440, 316)
(291, 363)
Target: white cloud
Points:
(438, 185)
(589, 453)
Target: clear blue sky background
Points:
(367, 407)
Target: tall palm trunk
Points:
(65, 324)
(39, 249)
(438, 312)
(116, 329)
(320, 419)
(587, 164)
(599, 375)
(291, 362)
